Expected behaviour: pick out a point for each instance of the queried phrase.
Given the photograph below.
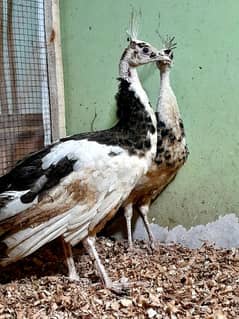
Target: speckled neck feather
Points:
(171, 143)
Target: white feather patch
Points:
(15, 205)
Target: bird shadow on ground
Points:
(47, 261)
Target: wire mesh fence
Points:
(24, 93)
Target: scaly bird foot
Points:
(122, 286)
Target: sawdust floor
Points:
(176, 282)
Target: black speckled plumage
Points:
(167, 139)
(53, 175)
(131, 130)
(25, 173)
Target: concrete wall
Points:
(205, 78)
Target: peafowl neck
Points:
(133, 108)
(171, 143)
(167, 106)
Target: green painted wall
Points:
(205, 78)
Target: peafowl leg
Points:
(117, 287)
(144, 212)
(128, 214)
(72, 273)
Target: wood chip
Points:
(126, 302)
(174, 282)
(151, 313)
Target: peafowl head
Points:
(169, 46)
(140, 52)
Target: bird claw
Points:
(76, 280)
(74, 277)
(152, 246)
(131, 248)
(122, 286)
(118, 288)
(135, 250)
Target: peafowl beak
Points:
(169, 53)
(164, 56)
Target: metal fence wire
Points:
(24, 94)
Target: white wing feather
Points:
(108, 181)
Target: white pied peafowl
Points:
(71, 188)
(172, 151)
